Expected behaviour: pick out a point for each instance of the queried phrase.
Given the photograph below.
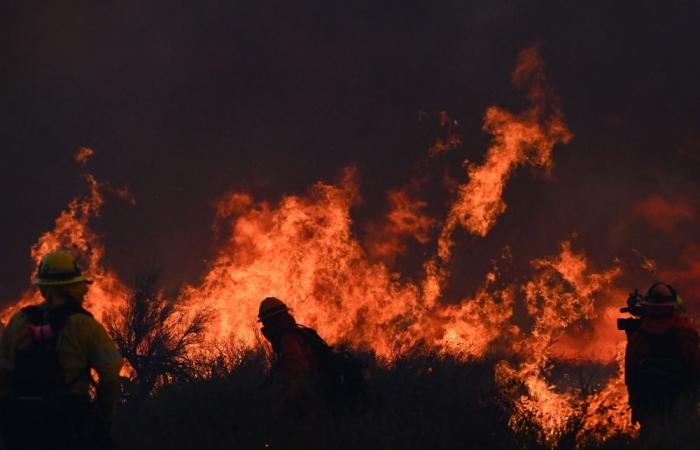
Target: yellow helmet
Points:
(58, 268)
(271, 306)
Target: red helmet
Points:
(271, 306)
(660, 294)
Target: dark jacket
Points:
(662, 369)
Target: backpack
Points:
(343, 374)
(662, 377)
(662, 362)
(38, 373)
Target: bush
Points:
(157, 337)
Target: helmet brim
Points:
(73, 280)
(662, 304)
(272, 314)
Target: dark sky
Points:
(183, 101)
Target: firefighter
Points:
(311, 374)
(296, 369)
(662, 361)
(47, 352)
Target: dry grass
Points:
(421, 402)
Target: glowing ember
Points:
(82, 155)
(452, 138)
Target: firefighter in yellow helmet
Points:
(47, 352)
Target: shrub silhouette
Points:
(157, 337)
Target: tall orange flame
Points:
(525, 138)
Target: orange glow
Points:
(82, 155)
(664, 214)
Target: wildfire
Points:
(562, 292)
(302, 249)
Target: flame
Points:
(525, 138)
(606, 412)
(302, 250)
(563, 292)
(82, 155)
(405, 219)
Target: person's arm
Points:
(8, 342)
(105, 359)
(631, 360)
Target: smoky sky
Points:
(184, 101)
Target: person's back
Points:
(46, 354)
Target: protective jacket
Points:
(82, 345)
(662, 370)
(296, 366)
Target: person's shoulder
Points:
(83, 319)
(24, 313)
(687, 332)
(293, 338)
(18, 318)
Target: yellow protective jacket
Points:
(83, 345)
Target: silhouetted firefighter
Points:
(311, 373)
(46, 354)
(662, 359)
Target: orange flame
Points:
(302, 250)
(526, 138)
(405, 219)
(562, 292)
(82, 155)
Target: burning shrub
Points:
(156, 336)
